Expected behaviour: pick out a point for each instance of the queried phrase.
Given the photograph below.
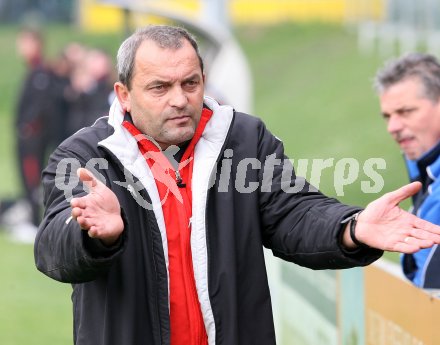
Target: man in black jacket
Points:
(163, 230)
(37, 114)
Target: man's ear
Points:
(123, 95)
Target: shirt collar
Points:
(429, 163)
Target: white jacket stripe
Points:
(206, 154)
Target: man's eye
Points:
(406, 111)
(157, 89)
(191, 84)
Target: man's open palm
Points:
(98, 212)
(384, 225)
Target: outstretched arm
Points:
(384, 225)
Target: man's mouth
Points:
(182, 119)
(405, 141)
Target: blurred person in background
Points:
(91, 93)
(61, 67)
(57, 98)
(157, 259)
(409, 95)
(33, 111)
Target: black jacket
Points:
(120, 294)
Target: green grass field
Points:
(33, 308)
(312, 88)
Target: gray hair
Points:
(425, 67)
(164, 36)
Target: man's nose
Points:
(178, 97)
(395, 124)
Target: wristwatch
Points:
(352, 221)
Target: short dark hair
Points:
(163, 35)
(425, 67)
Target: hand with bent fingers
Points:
(384, 225)
(98, 212)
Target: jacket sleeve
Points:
(62, 250)
(300, 223)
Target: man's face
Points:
(166, 96)
(28, 47)
(412, 119)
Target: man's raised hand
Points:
(98, 212)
